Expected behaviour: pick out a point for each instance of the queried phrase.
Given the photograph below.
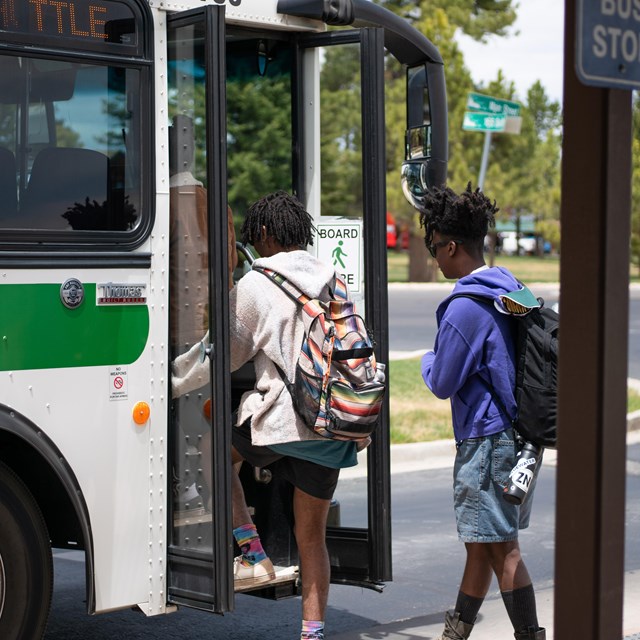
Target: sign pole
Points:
(485, 159)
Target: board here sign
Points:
(608, 43)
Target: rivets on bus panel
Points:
(141, 412)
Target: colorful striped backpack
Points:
(336, 390)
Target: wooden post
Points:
(594, 309)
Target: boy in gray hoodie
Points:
(473, 364)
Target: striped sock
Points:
(312, 630)
(249, 542)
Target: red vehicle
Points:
(392, 234)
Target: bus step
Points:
(191, 517)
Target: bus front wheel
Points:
(26, 567)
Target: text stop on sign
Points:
(608, 43)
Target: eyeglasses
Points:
(433, 248)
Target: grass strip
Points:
(418, 416)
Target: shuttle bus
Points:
(111, 111)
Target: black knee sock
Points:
(521, 607)
(467, 607)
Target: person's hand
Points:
(190, 370)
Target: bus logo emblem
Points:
(72, 293)
(121, 293)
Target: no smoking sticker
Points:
(118, 384)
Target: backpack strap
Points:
(337, 289)
(308, 304)
(289, 288)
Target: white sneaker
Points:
(245, 576)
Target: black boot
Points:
(531, 634)
(454, 628)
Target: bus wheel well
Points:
(60, 503)
(47, 489)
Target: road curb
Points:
(440, 454)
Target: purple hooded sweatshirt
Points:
(474, 353)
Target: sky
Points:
(533, 50)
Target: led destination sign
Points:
(106, 21)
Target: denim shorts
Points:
(480, 473)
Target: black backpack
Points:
(536, 391)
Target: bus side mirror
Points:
(414, 174)
(425, 164)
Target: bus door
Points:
(345, 146)
(200, 553)
(285, 130)
(253, 135)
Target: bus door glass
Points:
(261, 157)
(200, 550)
(348, 199)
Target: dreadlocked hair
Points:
(284, 218)
(466, 216)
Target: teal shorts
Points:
(312, 478)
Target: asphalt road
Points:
(412, 323)
(427, 566)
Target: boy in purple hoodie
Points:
(473, 361)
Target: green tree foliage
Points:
(524, 169)
(439, 20)
(341, 151)
(477, 18)
(259, 118)
(340, 130)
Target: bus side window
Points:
(8, 192)
(67, 188)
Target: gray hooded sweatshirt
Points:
(266, 326)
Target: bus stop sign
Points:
(608, 43)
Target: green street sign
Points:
(496, 106)
(478, 121)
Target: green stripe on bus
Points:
(38, 332)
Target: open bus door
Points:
(200, 549)
(200, 552)
(359, 540)
(255, 99)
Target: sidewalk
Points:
(493, 622)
